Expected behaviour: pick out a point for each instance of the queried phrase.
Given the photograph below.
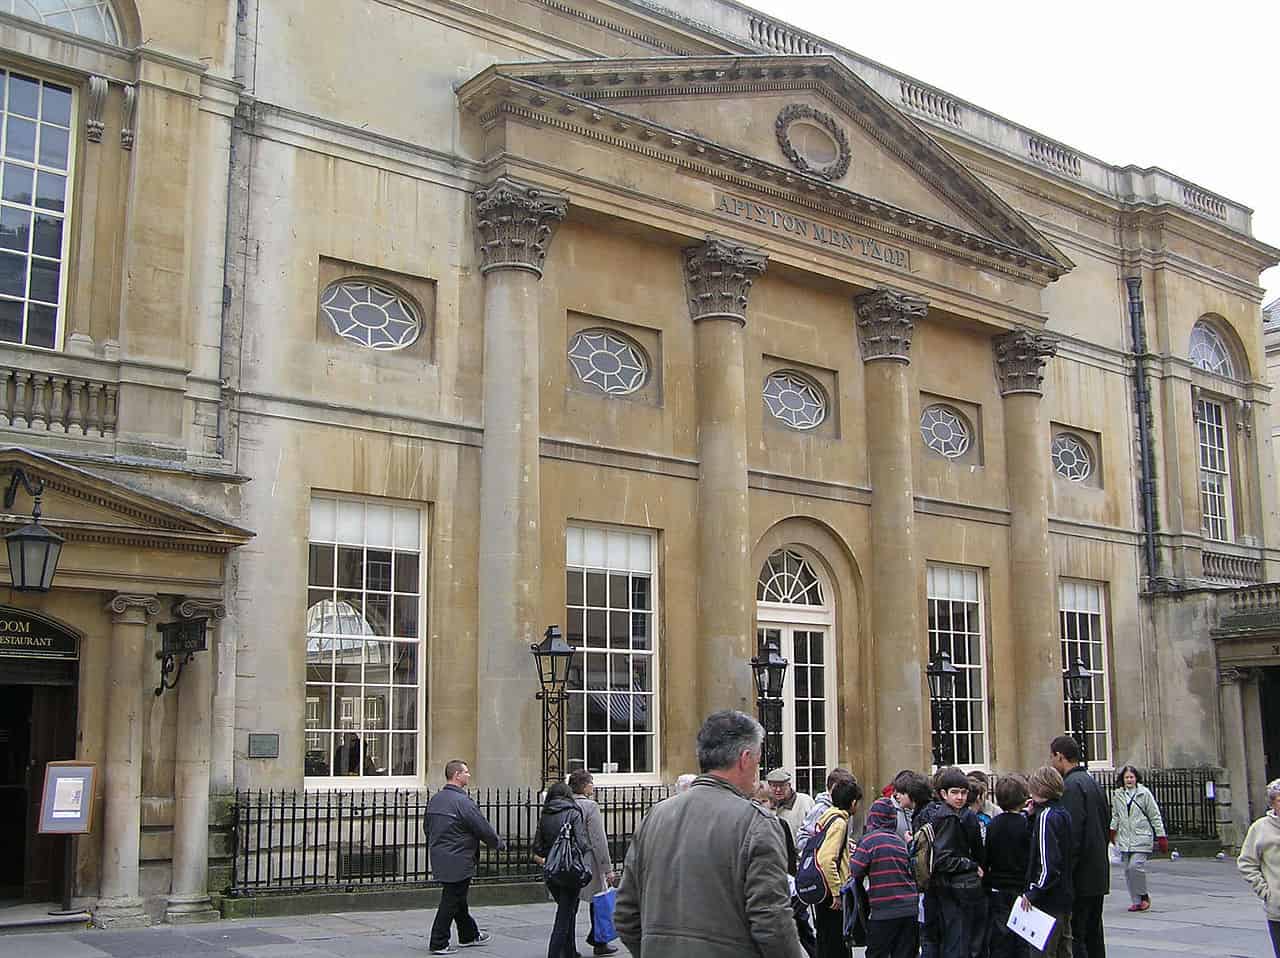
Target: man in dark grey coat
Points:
(1090, 814)
(455, 828)
(706, 873)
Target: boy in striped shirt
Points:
(882, 859)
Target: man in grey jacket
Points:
(455, 828)
(706, 873)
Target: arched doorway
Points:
(795, 613)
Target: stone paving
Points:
(1199, 907)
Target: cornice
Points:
(593, 82)
(528, 102)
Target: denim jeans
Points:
(562, 944)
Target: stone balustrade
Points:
(1232, 569)
(774, 36)
(58, 403)
(1048, 153)
(1259, 598)
(1203, 202)
(931, 103)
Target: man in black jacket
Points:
(1091, 871)
(455, 828)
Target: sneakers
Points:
(1144, 904)
(481, 939)
(446, 950)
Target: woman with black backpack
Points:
(562, 846)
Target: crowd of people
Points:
(731, 865)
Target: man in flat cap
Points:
(788, 804)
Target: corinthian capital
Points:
(886, 319)
(515, 222)
(1020, 358)
(718, 276)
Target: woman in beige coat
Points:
(602, 876)
(1259, 861)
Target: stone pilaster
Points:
(515, 223)
(1020, 357)
(189, 893)
(1235, 752)
(120, 901)
(886, 320)
(718, 278)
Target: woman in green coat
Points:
(1136, 830)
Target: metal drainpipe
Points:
(1142, 400)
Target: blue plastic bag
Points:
(602, 930)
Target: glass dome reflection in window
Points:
(1071, 458)
(88, 18)
(945, 431)
(787, 577)
(1209, 352)
(607, 361)
(794, 400)
(370, 315)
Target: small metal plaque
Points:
(264, 745)
(183, 637)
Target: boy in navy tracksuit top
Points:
(891, 887)
(1008, 852)
(1049, 869)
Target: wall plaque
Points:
(30, 636)
(264, 745)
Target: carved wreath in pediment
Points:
(801, 111)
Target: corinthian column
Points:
(886, 320)
(189, 892)
(1020, 358)
(120, 902)
(515, 223)
(718, 278)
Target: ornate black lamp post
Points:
(33, 549)
(1079, 681)
(553, 656)
(942, 690)
(770, 668)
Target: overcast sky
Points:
(1192, 88)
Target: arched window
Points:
(789, 579)
(1209, 351)
(89, 18)
(794, 616)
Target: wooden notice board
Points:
(66, 804)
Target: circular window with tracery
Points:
(1071, 457)
(945, 431)
(370, 314)
(794, 400)
(608, 362)
(789, 579)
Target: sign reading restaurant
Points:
(30, 636)
(819, 233)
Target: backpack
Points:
(811, 884)
(565, 867)
(920, 852)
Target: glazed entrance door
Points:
(37, 726)
(806, 710)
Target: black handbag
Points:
(565, 866)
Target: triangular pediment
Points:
(80, 504)
(804, 123)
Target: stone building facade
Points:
(384, 335)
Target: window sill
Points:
(362, 783)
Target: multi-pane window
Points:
(609, 600)
(955, 626)
(35, 164)
(1215, 473)
(1209, 351)
(364, 695)
(89, 18)
(1081, 615)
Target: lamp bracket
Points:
(171, 665)
(34, 489)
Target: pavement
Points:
(1199, 907)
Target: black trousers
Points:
(1275, 936)
(893, 937)
(1086, 927)
(953, 916)
(453, 908)
(830, 931)
(1001, 942)
(562, 944)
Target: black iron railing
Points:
(1186, 796)
(294, 840)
